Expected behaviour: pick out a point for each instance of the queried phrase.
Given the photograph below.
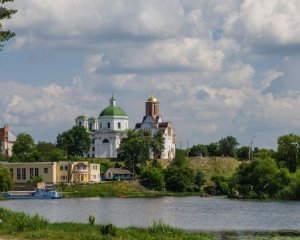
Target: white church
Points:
(111, 127)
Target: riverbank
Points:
(17, 225)
(116, 189)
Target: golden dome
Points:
(152, 99)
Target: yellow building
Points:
(54, 172)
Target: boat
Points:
(37, 194)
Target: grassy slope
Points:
(115, 189)
(215, 166)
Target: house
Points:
(7, 140)
(117, 174)
(54, 172)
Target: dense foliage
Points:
(76, 141)
(24, 149)
(135, 149)
(6, 181)
(154, 178)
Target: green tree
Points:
(213, 149)
(24, 148)
(228, 146)
(243, 152)
(259, 179)
(6, 181)
(5, 14)
(154, 178)
(199, 179)
(76, 141)
(198, 150)
(157, 144)
(288, 151)
(221, 184)
(179, 176)
(49, 152)
(134, 150)
(264, 153)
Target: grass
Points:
(212, 166)
(116, 189)
(21, 226)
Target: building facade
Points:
(107, 131)
(54, 172)
(153, 121)
(7, 140)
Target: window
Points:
(11, 172)
(36, 172)
(66, 168)
(61, 168)
(80, 124)
(108, 125)
(31, 173)
(90, 126)
(19, 173)
(93, 149)
(23, 173)
(45, 170)
(100, 125)
(105, 141)
(93, 141)
(119, 125)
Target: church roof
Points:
(152, 99)
(113, 111)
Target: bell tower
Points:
(152, 107)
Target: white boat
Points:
(37, 194)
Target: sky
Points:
(218, 68)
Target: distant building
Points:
(111, 127)
(117, 174)
(7, 140)
(153, 122)
(107, 131)
(54, 172)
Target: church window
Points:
(105, 141)
(108, 125)
(119, 125)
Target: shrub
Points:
(108, 229)
(159, 227)
(19, 221)
(154, 177)
(92, 219)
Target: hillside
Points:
(211, 166)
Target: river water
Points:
(191, 213)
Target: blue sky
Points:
(217, 69)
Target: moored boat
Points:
(37, 194)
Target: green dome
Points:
(113, 111)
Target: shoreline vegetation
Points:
(122, 189)
(18, 225)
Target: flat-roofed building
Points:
(54, 172)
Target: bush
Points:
(6, 182)
(18, 222)
(108, 229)
(221, 184)
(179, 179)
(92, 219)
(154, 178)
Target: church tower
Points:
(152, 107)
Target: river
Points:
(190, 213)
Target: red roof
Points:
(80, 165)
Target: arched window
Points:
(105, 141)
(80, 124)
